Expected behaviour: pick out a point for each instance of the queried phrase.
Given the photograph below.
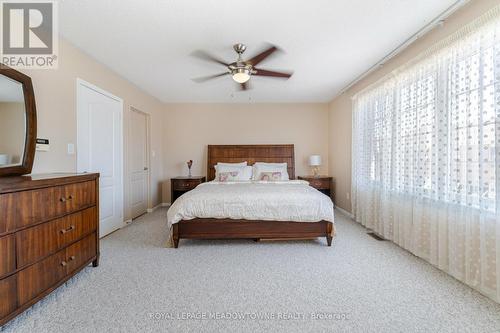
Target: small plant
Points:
(190, 164)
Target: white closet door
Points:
(139, 164)
(99, 149)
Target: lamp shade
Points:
(314, 160)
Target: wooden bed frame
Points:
(248, 229)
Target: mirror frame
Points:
(30, 116)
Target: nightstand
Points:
(323, 184)
(181, 185)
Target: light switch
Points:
(153, 153)
(71, 148)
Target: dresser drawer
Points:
(185, 184)
(7, 255)
(8, 296)
(39, 241)
(35, 279)
(7, 211)
(43, 204)
(81, 252)
(74, 197)
(39, 277)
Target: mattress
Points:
(292, 200)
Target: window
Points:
(432, 130)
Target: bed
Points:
(203, 213)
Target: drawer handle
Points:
(72, 258)
(63, 231)
(63, 263)
(66, 199)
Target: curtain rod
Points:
(437, 21)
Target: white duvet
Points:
(292, 200)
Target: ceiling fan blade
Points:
(263, 55)
(263, 72)
(209, 77)
(208, 57)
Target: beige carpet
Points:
(357, 285)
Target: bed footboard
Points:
(245, 229)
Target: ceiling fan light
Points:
(241, 75)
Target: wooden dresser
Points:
(48, 233)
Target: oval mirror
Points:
(17, 123)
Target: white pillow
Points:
(260, 167)
(233, 164)
(244, 172)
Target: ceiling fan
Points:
(241, 70)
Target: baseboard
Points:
(127, 222)
(150, 210)
(345, 212)
(166, 204)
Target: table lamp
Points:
(314, 163)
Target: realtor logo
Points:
(29, 34)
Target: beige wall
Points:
(12, 130)
(55, 94)
(189, 128)
(340, 107)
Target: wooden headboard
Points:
(251, 154)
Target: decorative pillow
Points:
(228, 176)
(244, 172)
(270, 176)
(260, 167)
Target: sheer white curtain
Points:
(426, 155)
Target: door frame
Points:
(148, 156)
(80, 83)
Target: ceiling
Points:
(326, 43)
